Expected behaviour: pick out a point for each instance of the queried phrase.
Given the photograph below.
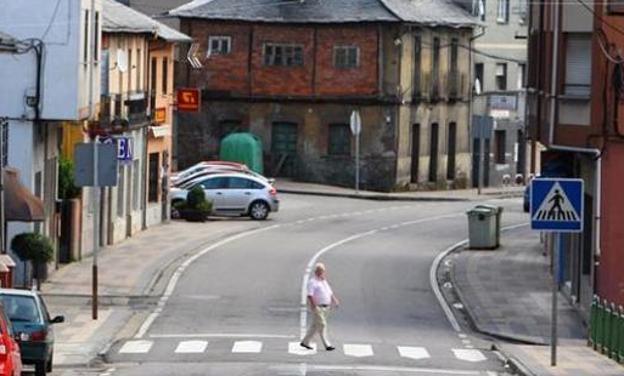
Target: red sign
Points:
(188, 100)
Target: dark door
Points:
(475, 162)
(433, 157)
(284, 148)
(415, 152)
(154, 166)
(486, 163)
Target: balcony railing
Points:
(120, 112)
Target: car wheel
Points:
(40, 368)
(175, 213)
(259, 210)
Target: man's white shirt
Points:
(320, 291)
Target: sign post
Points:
(356, 129)
(557, 207)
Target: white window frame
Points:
(220, 39)
(504, 72)
(579, 86)
(346, 48)
(502, 11)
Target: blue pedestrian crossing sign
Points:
(557, 205)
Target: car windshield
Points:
(21, 308)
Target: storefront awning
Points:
(19, 203)
(160, 131)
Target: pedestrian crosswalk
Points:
(292, 348)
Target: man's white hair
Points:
(319, 266)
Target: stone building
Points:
(292, 72)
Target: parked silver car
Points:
(233, 194)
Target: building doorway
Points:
(284, 149)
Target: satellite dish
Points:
(122, 60)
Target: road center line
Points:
(303, 316)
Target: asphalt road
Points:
(236, 309)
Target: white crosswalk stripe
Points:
(247, 347)
(358, 351)
(413, 352)
(466, 354)
(136, 347)
(191, 347)
(469, 355)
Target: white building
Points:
(43, 70)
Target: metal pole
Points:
(357, 163)
(481, 157)
(555, 290)
(95, 192)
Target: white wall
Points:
(64, 69)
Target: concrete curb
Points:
(514, 364)
(372, 197)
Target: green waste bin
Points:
(615, 333)
(482, 228)
(593, 323)
(607, 318)
(600, 313)
(499, 214)
(620, 357)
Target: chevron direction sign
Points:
(557, 205)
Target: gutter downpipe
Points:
(471, 113)
(594, 151)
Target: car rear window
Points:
(21, 308)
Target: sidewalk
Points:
(507, 294)
(132, 274)
(290, 186)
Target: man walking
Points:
(320, 299)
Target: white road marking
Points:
(191, 347)
(136, 347)
(466, 341)
(469, 355)
(306, 275)
(173, 281)
(411, 352)
(295, 348)
(462, 335)
(222, 335)
(358, 351)
(247, 347)
(366, 368)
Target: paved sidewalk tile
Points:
(507, 292)
(573, 360)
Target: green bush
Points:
(33, 247)
(196, 207)
(66, 188)
(195, 197)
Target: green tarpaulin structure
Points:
(242, 148)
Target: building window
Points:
(433, 153)
(284, 55)
(453, 79)
(339, 142)
(4, 128)
(500, 139)
(436, 68)
(121, 188)
(165, 76)
(481, 9)
(452, 151)
(129, 70)
(85, 52)
(346, 57)
(153, 76)
(478, 84)
(502, 12)
(417, 68)
(96, 37)
(219, 45)
(138, 72)
(501, 76)
(578, 65)
(136, 174)
(154, 168)
(521, 76)
(415, 152)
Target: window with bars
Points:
(219, 45)
(284, 55)
(346, 57)
(339, 142)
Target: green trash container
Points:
(243, 148)
(499, 214)
(599, 326)
(482, 228)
